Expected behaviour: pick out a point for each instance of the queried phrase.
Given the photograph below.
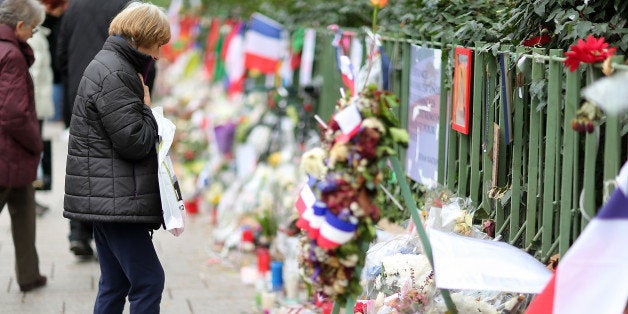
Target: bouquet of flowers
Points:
(336, 208)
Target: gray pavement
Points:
(196, 281)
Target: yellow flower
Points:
(379, 3)
(214, 193)
(274, 159)
(338, 153)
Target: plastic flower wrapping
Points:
(338, 220)
(399, 278)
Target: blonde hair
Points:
(142, 24)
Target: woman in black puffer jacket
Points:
(111, 172)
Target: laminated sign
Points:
(171, 200)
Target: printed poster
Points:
(423, 115)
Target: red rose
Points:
(368, 139)
(339, 198)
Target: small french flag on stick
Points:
(349, 121)
(265, 44)
(347, 72)
(304, 207)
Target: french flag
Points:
(349, 120)
(265, 44)
(210, 46)
(233, 56)
(592, 277)
(347, 73)
(319, 209)
(304, 207)
(335, 232)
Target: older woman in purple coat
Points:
(20, 140)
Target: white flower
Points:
(350, 261)
(379, 301)
(468, 304)
(399, 267)
(356, 209)
(313, 162)
(328, 290)
(374, 123)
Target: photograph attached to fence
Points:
(461, 105)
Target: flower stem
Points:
(374, 19)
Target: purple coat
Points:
(20, 142)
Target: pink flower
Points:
(592, 50)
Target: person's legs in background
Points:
(67, 111)
(57, 99)
(80, 237)
(21, 204)
(46, 168)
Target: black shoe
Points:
(81, 248)
(38, 283)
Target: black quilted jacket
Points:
(111, 170)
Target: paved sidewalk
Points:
(193, 284)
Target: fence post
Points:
(590, 157)
(404, 90)
(552, 137)
(452, 145)
(443, 118)
(518, 93)
(570, 164)
(332, 81)
(538, 73)
(612, 146)
(476, 123)
(488, 141)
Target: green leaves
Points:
(460, 21)
(540, 9)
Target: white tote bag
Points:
(171, 200)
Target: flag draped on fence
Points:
(592, 277)
(265, 44)
(210, 46)
(233, 54)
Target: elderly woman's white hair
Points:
(31, 12)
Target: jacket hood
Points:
(8, 34)
(140, 61)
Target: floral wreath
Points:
(336, 209)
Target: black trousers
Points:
(80, 231)
(21, 204)
(129, 266)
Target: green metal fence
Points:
(548, 170)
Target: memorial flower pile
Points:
(336, 208)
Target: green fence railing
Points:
(548, 170)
